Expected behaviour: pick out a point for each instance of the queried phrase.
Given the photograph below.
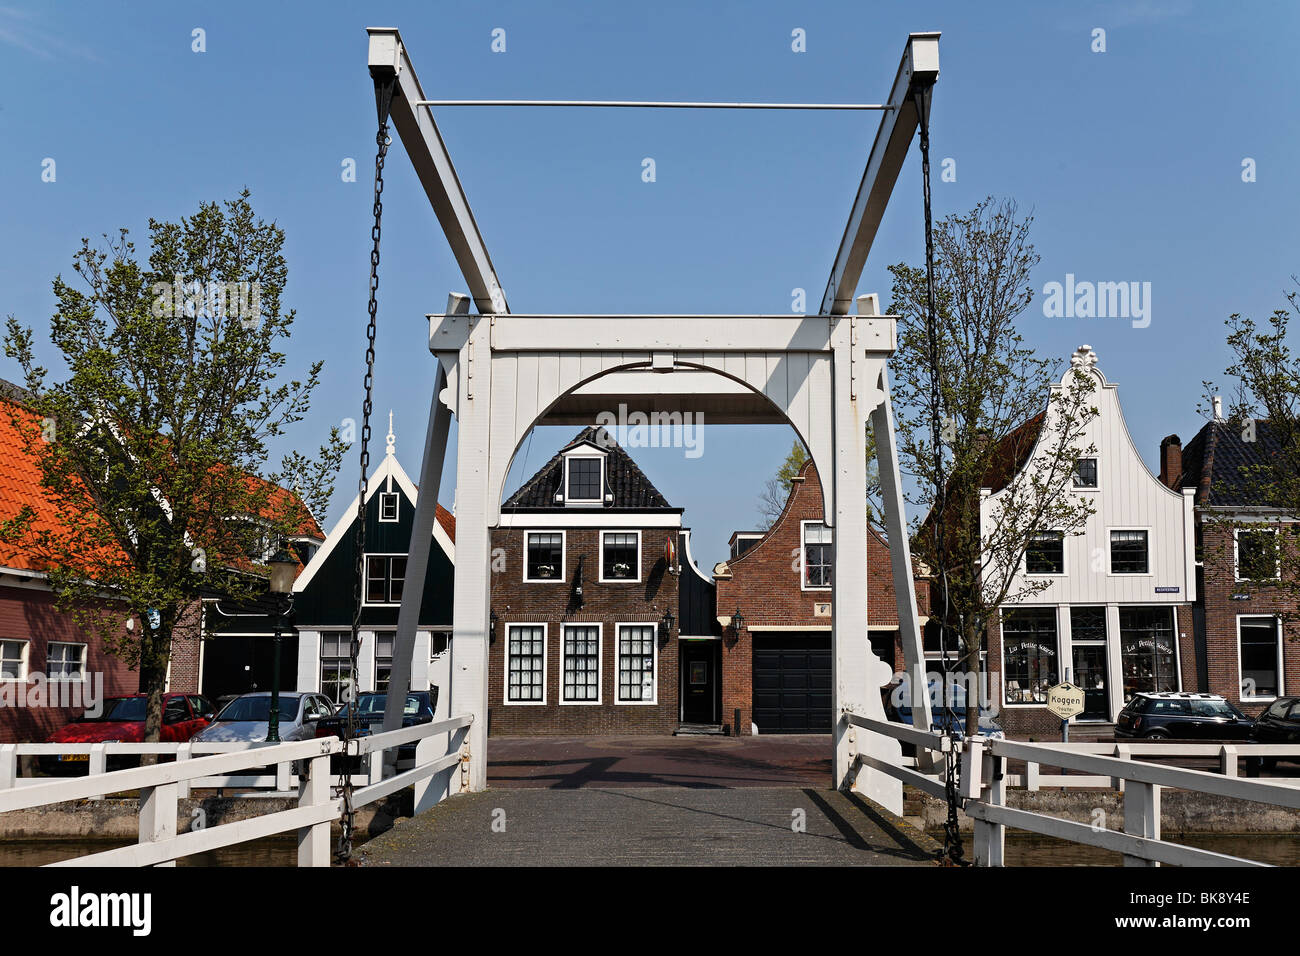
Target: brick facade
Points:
(1223, 656)
(608, 604)
(764, 582)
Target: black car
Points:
(420, 708)
(1171, 716)
(1279, 724)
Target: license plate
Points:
(85, 758)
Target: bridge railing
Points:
(984, 783)
(440, 746)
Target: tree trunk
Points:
(974, 645)
(155, 650)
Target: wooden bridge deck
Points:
(652, 826)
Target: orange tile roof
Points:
(20, 484)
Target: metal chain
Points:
(952, 843)
(348, 820)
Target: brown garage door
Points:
(792, 683)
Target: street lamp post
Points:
(283, 566)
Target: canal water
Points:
(268, 852)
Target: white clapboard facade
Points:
(1115, 613)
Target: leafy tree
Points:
(150, 447)
(973, 377)
(772, 499)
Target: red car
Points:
(121, 720)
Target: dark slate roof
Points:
(632, 490)
(1218, 463)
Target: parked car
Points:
(939, 718)
(1279, 724)
(420, 708)
(247, 718)
(1181, 716)
(121, 720)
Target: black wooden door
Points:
(699, 682)
(792, 683)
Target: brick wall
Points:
(1221, 613)
(764, 583)
(607, 604)
(186, 643)
(28, 614)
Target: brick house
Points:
(595, 621)
(1116, 612)
(1244, 623)
(42, 645)
(777, 669)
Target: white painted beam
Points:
(918, 70)
(424, 145)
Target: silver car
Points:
(245, 719)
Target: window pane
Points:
(376, 589)
(1085, 473)
(544, 555)
(584, 478)
(581, 663)
(396, 578)
(1046, 553)
(1087, 624)
(525, 665)
(1256, 555)
(636, 662)
(817, 552)
(1029, 645)
(619, 557)
(1128, 552)
(1146, 645)
(1259, 657)
(11, 659)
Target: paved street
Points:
(651, 826)
(656, 761)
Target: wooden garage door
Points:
(792, 683)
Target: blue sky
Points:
(1131, 160)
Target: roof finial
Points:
(390, 450)
(1083, 357)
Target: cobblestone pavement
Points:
(702, 762)
(651, 826)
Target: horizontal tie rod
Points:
(660, 105)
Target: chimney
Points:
(1171, 461)
(1218, 408)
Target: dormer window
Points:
(388, 505)
(583, 480)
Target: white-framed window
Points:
(525, 663)
(1148, 649)
(1256, 557)
(385, 578)
(383, 660)
(335, 665)
(1085, 474)
(1259, 656)
(584, 479)
(13, 660)
(815, 556)
(638, 663)
(580, 664)
(1130, 551)
(1030, 654)
(620, 555)
(544, 556)
(389, 505)
(65, 661)
(1045, 554)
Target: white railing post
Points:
(990, 837)
(314, 790)
(158, 815)
(375, 766)
(1123, 753)
(1141, 816)
(1228, 760)
(8, 766)
(98, 763)
(183, 752)
(1031, 776)
(283, 771)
